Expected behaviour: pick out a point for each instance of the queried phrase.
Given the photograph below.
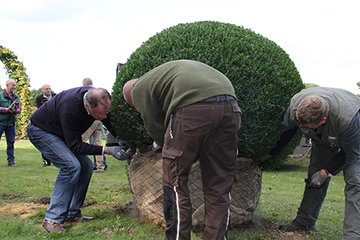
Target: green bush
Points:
(263, 75)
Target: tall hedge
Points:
(263, 75)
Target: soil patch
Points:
(24, 210)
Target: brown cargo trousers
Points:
(207, 131)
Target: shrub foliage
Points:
(263, 75)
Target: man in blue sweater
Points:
(55, 130)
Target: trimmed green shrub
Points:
(263, 75)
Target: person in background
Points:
(94, 134)
(55, 129)
(190, 109)
(10, 106)
(331, 118)
(40, 100)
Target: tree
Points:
(309, 85)
(263, 75)
(16, 71)
(34, 94)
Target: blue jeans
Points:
(72, 182)
(10, 140)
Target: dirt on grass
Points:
(25, 210)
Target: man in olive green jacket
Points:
(190, 109)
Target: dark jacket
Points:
(66, 117)
(40, 100)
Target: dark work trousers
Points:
(313, 198)
(207, 131)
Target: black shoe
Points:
(105, 167)
(295, 226)
(12, 165)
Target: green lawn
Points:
(31, 183)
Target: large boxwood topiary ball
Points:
(263, 75)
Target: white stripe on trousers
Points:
(178, 213)
(228, 219)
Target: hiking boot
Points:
(12, 165)
(78, 219)
(295, 226)
(50, 227)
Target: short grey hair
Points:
(97, 96)
(10, 80)
(87, 81)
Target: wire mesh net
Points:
(145, 178)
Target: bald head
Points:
(127, 91)
(46, 90)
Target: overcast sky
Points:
(61, 42)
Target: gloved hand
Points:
(317, 180)
(123, 144)
(157, 147)
(118, 153)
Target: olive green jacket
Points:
(170, 86)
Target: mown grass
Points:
(31, 183)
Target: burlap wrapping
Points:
(145, 177)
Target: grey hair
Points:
(8, 81)
(87, 81)
(97, 96)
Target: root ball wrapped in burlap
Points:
(145, 177)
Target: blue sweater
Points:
(65, 116)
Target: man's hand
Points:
(14, 105)
(123, 144)
(118, 153)
(317, 180)
(11, 110)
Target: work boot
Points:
(50, 227)
(295, 226)
(78, 219)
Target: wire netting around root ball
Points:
(145, 177)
